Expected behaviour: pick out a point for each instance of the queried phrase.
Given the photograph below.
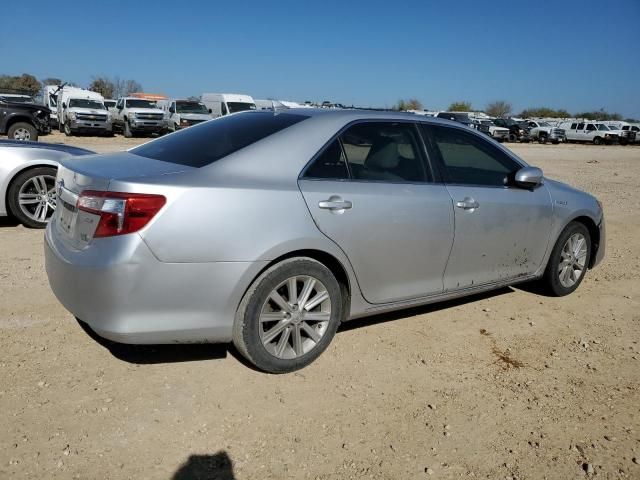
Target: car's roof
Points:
(46, 146)
(352, 114)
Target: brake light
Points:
(120, 213)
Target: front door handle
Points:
(468, 204)
(335, 203)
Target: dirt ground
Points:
(509, 385)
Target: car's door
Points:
(501, 231)
(371, 192)
(591, 132)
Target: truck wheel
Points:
(67, 130)
(624, 142)
(23, 131)
(597, 141)
(542, 139)
(127, 130)
(513, 138)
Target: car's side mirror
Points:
(120, 107)
(64, 105)
(529, 177)
(172, 110)
(210, 111)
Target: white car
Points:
(544, 132)
(221, 104)
(181, 114)
(27, 179)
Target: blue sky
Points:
(577, 55)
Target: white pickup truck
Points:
(544, 132)
(137, 115)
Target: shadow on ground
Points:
(156, 354)
(206, 467)
(8, 222)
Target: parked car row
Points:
(543, 131)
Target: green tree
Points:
(499, 108)
(460, 106)
(545, 112)
(103, 86)
(410, 104)
(25, 83)
(51, 81)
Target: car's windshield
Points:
(139, 103)
(84, 103)
(210, 141)
(109, 103)
(18, 99)
(486, 122)
(191, 107)
(240, 106)
(602, 126)
(544, 124)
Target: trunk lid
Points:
(96, 172)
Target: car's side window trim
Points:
(338, 136)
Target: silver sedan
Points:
(27, 179)
(269, 229)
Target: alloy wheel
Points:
(295, 317)
(37, 197)
(573, 260)
(22, 134)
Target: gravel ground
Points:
(509, 385)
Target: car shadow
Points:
(195, 352)
(421, 310)
(206, 467)
(154, 354)
(8, 222)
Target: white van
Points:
(183, 113)
(82, 111)
(591, 132)
(221, 104)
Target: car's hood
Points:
(28, 106)
(195, 116)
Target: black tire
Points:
(542, 139)
(127, 129)
(597, 141)
(624, 142)
(551, 278)
(14, 192)
(23, 131)
(513, 138)
(246, 335)
(556, 142)
(67, 130)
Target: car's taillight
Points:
(120, 213)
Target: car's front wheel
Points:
(289, 315)
(569, 260)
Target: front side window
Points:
(591, 127)
(469, 159)
(573, 126)
(581, 126)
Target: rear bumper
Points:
(125, 294)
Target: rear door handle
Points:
(468, 204)
(335, 203)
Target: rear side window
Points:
(330, 164)
(208, 142)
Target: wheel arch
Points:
(594, 233)
(16, 119)
(327, 259)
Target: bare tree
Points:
(499, 108)
(51, 81)
(104, 86)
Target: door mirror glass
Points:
(529, 177)
(172, 110)
(64, 105)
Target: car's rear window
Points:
(203, 144)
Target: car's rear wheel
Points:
(542, 139)
(67, 130)
(23, 131)
(32, 196)
(569, 260)
(597, 141)
(289, 315)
